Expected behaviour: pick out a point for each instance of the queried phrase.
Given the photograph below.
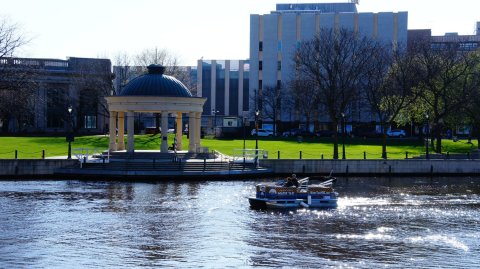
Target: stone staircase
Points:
(164, 166)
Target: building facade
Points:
(274, 38)
(461, 42)
(54, 86)
(225, 84)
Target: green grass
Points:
(311, 148)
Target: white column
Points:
(191, 132)
(199, 78)
(164, 142)
(213, 86)
(226, 99)
(198, 118)
(130, 131)
(178, 134)
(121, 131)
(112, 146)
(240, 88)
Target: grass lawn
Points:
(311, 148)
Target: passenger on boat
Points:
(288, 183)
(291, 181)
(295, 180)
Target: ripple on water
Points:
(378, 223)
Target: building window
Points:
(279, 46)
(279, 65)
(468, 46)
(260, 46)
(260, 65)
(260, 84)
(279, 84)
(90, 122)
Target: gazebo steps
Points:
(169, 166)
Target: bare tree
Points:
(160, 57)
(304, 96)
(335, 61)
(16, 78)
(93, 80)
(11, 38)
(272, 103)
(123, 71)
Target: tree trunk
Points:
(384, 142)
(335, 142)
(438, 136)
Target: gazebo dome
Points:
(155, 83)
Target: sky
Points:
(188, 29)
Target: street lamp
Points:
(257, 112)
(70, 133)
(214, 112)
(243, 123)
(426, 143)
(343, 136)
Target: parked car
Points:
(396, 133)
(293, 132)
(262, 132)
(366, 134)
(325, 133)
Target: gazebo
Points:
(154, 93)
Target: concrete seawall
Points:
(34, 167)
(374, 167)
(49, 167)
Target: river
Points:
(380, 222)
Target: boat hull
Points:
(264, 203)
(305, 195)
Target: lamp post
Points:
(426, 142)
(243, 122)
(257, 112)
(343, 136)
(214, 112)
(70, 134)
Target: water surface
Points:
(389, 223)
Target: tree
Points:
(11, 38)
(304, 98)
(442, 84)
(16, 79)
(471, 107)
(123, 71)
(93, 80)
(388, 86)
(272, 103)
(335, 62)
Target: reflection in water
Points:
(397, 222)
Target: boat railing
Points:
(303, 183)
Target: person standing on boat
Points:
(294, 180)
(288, 183)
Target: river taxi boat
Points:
(275, 196)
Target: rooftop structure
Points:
(317, 7)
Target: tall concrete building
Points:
(225, 85)
(461, 42)
(274, 37)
